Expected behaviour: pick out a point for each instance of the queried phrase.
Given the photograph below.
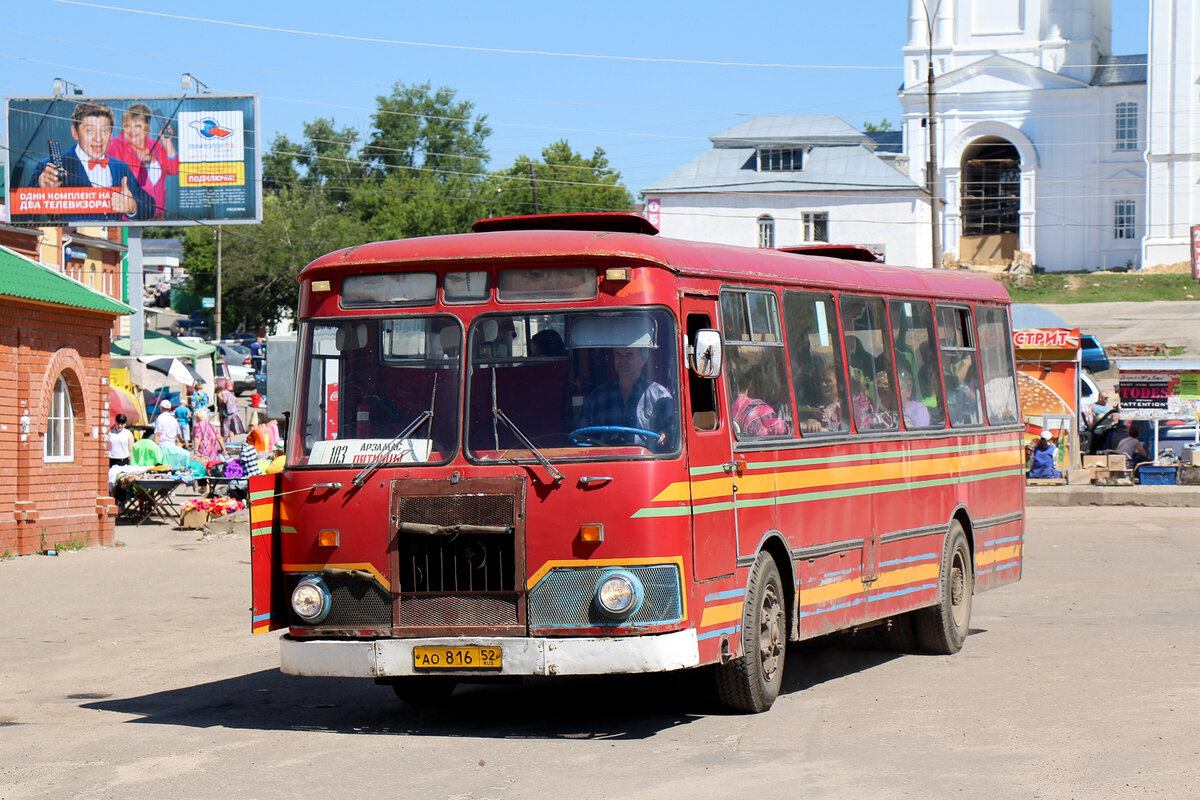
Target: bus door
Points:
(711, 473)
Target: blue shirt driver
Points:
(631, 401)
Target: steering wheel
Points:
(594, 430)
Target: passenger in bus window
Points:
(826, 416)
(962, 391)
(546, 344)
(754, 417)
(632, 401)
(916, 413)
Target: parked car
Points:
(197, 324)
(1092, 352)
(234, 353)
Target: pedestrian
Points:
(258, 353)
(183, 414)
(120, 443)
(166, 426)
(231, 418)
(199, 398)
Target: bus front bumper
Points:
(379, 658)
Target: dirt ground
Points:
(129, 673)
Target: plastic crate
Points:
(1156, 476)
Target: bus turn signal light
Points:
(327, 538)
(617, 274)
(591, 532)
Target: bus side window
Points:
(760, 405)
(816, 360)
(702, 392)
(995, 355)
(869, 359)
(914, 338)
(960, 371)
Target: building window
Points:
(60, 428)
(1124, 217)
(814, 226)
(788, 159)
(1127, 126)
(766, 231)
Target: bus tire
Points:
(897, 634)
(942, 629)
(750, 683)
(423, 691)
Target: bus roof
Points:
(516, 244)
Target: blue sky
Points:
(649, 114)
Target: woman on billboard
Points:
(151, 160)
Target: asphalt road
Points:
(1174, 323)
(129, 672)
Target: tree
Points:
(878, 127)
(564, 181)
(326, 159)
(260, 263)
(415, 129)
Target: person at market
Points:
(166, 425)
(200, 397)
(151, 160)
(207, 443)
(231, 418)
(1042, 459)
(120, 443)
(183, 414)
(87, 164)
(1132, 448)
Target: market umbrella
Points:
(175, 369)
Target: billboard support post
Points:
(137, 293)
(217, 315)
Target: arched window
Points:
(60, 424)
(766, 231)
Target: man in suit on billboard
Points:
(88, 164)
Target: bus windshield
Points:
(572, 385)
(383, 389)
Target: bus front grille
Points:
(459, 555)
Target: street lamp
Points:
(187, 79)
(61, 86)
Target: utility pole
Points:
(931, 166)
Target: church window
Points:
(1124, 217)
(814, 226)
(787, 159)
(766, 231)
(1127, 126)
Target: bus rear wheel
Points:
(942, 629)
(751, 682)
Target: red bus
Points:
(563, 445)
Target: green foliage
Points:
(74, 543)
(564, 181)
(416, 129)
(1101, 288)
(879, 127)
(259, 264)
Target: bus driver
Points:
(631, 401)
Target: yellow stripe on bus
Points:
(999, 554)
(365, 566)
(715, 615)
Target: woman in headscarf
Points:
(207, 443)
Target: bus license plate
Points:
(439, 657)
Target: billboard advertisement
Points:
(133, 160)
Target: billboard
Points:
(178, 160)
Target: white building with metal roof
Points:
(782, 180)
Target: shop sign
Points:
(1046, 339)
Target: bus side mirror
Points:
(706, 353)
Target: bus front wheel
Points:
(942, 629)
(751, 682)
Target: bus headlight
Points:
(619, 594)
(311, 600)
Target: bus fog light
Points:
(619, 594)
(311, 600)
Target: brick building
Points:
(54, 362)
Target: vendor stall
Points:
(1160, 390)
(1048, 385)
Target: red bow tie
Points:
(97, 162)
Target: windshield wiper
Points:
(387, 453)
(556, 476)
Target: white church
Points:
(1046, 144)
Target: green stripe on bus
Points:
(261, 495)
(831, 494)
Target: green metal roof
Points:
(160, 344)
(23, 277)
